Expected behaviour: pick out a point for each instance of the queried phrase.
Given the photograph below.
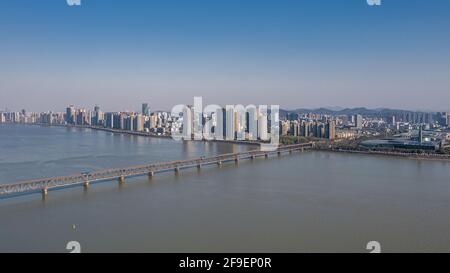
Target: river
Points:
(304, 202)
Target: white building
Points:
(187, 123)
(262, 124)
(252, 123)
(230, 128)
(218, 129)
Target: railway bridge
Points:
(120, 174)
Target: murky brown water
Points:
(310, 202)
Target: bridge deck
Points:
(45, 184)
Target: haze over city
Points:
(293, 53)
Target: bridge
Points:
(120, 174)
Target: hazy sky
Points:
(298, 53)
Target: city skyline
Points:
(302, 54)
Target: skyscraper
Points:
(219, 129)
(109, 120)
(358, 122)
(252, 123)
(230, 130)
(145, 109)
(262, 124)
(187, 123)
(139, 123)
(70, 115)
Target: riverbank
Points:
(144, 134)
(436, 157)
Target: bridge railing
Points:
(62, 181)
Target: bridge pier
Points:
(86, 185)
(253, 157)
(279, 153)
(302, 150)
(236, 160)
(177, 170)
(121, 180)
(266, 155)
(219, 163)
(151, 174)
(44, 193)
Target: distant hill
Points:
(379, 112)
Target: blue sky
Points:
(298, 53)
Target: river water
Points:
(304, 202)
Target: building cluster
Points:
(233, 123)
(229, 123)
(329, 127)
(24, 117)
(309, 128)
(144, 121)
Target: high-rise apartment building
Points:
(358, 121)
(187, 123)
(230, 119)
(262, 124)
(252, 123)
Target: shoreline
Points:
(134, 133)
(429, 157)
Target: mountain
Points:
(379, 112)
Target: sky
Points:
(293, 53)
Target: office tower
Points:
(145, 109)
(109, 120)
(358, 122)
(96, 116)
(230, 127)
(187, 123)
(70, 115)
(262, 124)
(80, 117)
